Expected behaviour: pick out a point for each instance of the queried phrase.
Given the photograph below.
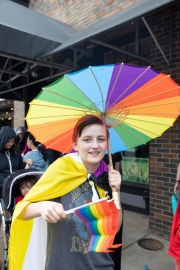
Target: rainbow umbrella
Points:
(138, 104)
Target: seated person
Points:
(26, 183)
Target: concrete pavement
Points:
(133, 256)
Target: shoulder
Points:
(28, 155)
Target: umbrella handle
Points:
(114, 191)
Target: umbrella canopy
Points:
(138, 104)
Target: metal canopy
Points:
(135, 11)
(17, 73)
(26, 33)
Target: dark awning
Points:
(26, 33)
(135, 11)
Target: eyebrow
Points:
(88, 136)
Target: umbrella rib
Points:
(47, 90)
(55, 132)
(98, 87)
(160, 104)
(40, 127)
(156, 95)
(136, 94)
(97, 110)
(130, 86)
(59, 139)
(133, 135)
(112, 90)
(58, 107)
(119, 136)
(121, 139)
(144, 129)
(145, 121)
(61, 115)
(143, 113)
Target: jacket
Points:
(9, 161)
(174, 246)
(37, 160)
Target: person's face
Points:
(92, 146)
(21, 136)
(29, 143)
(9, 144)
(25, 188)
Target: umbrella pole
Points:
(114, 191)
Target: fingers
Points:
(52, 212)
(115, 179)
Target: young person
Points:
(25, 185)
(174, 248)
(37, 157)
(10, 155)
(66, 185)
(21, 133)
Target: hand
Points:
(29, 161)
(114, 179)
(52, 212)
(176, 186)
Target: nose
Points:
(95, 144)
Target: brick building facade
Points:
(164, 151)
(80, 14)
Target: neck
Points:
(91, 168)
(33, 147)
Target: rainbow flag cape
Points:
(101, 219)
(28, 239)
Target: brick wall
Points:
(80, 13)
(164, 151)
(18, 114)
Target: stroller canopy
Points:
(10, 186)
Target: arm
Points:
(176, 186)
(51, 212)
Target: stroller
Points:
(9, 192)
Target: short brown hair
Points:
(84, 122)
(28, 179)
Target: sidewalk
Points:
(133, 256)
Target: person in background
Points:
(22, 140)
(25, 184)
(37, 157)
(69, 182)
(116, 159)
(174, 248)
(10, 155)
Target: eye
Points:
(86, 139)
(101, 139)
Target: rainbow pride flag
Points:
(101, 219)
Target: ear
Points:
(75, 146)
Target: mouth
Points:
(94, 153)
